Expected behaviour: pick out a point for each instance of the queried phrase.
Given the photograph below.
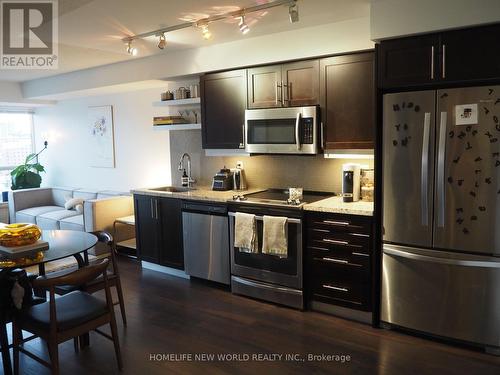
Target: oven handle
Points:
(297, 130)
(260, 218)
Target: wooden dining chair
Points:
(67, 317)
(98, 284)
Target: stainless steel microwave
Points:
(292, 130)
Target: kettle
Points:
(239, 181)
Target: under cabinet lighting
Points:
(349, 154)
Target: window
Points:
(16, 142)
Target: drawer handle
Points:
(321, 230)
(335, 288)
(337, 242)
(360, 254)
(359, 235)
(336, 260)
(318, 248)
(343, 223)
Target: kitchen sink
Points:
(173, 189)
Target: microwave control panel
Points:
(307, 130)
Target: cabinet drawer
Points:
(341, 239)
(342, 257)
(339, 224)
(355, 295)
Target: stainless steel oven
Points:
(269, 277)
(292, 130)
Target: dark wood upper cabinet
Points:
(470, 54)
(459, 56)
(286, 85)
(301, 83)
(223, 104)
(408, 61)
(264, 87)
(348, 101)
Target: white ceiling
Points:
(90, 31)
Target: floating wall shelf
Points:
(178, 127)
(167, 103)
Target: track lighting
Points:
(205, 32)
(162, 42)
(293, 12)
(243, 25)
(131, 50)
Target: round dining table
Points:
(62, 244)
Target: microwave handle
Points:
(297, 130)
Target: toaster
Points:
(223, 180)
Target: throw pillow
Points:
(72, 202)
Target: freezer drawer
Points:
(444, 294)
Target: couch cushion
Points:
(60, 194)
(28, 215)
(50, 220)
(110, 193)
(85, 194)
(72, 223)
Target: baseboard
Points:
(166, 270)
(343, 312)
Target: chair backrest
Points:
(79, 277)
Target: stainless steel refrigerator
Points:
(441, 213)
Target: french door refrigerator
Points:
(441, 213)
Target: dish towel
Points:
(245, 233)
(275, 237)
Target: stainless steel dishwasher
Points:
(206, 241)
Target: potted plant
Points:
(27, 175)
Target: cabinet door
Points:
(171, 246)
(301, 83)
(264, 87)
(470, 54)
(408, 61)
(348, 101)
(223, 104)
(146, 229)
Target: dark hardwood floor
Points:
(169, 315)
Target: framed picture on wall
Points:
(101, 129)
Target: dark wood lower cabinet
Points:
(158, 226)
(338, 260)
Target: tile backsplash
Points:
(278, 171)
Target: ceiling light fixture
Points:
(162, 41)
(243, 25)
(203, 23)
(293, 12)
(131, 50)
(205, 31)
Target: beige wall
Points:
(393, 18)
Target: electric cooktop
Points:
(281, 197)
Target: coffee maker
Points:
(351, 174)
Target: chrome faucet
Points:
(181, 167)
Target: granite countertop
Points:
(337, 205)
(200, 193)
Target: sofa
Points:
(45, 208)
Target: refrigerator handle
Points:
(440, 169)
(424, 180)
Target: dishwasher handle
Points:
(203, 208)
